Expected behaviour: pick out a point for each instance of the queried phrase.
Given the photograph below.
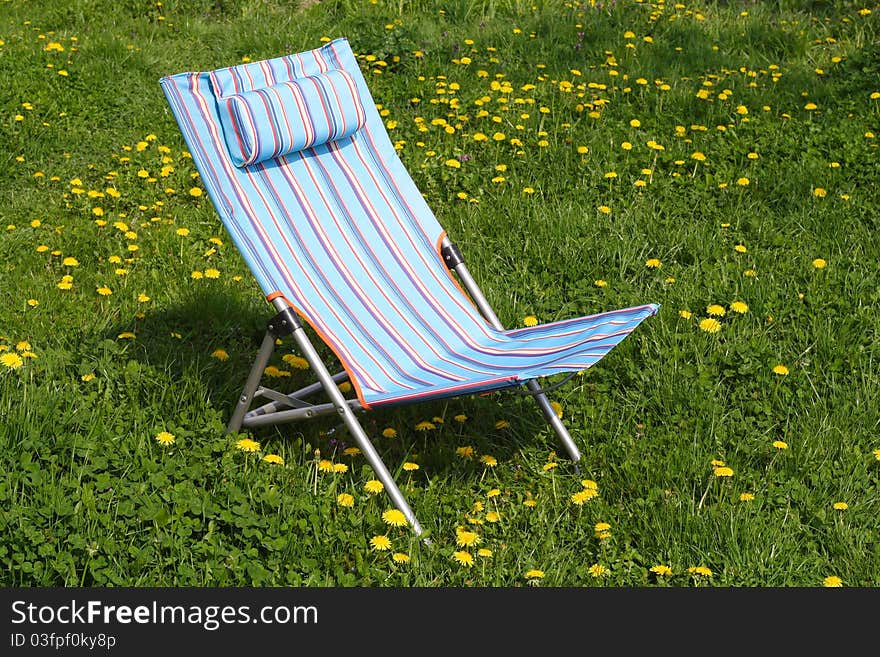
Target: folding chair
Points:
(298, 165)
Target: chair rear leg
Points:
(253, 381)
(554, 421)
(453, 259)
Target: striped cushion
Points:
(290, 116)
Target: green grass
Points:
(91, 498)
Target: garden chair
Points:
(297, 163)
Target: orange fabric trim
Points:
(357, 389)
(439, 248)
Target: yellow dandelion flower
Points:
(534, 574)
(780, 444)
(600, 282)
(104, 291)
(380, 543)
(274, 459)
(743, 181)
(374, 487)
(11, 360)
(598, 570)
(425, 425)
(604, 209)
(484, 553)
(400, 557)
(653, 263)
(394, 518)
(530, 320)
(710, 325)
(832, 581)
(464, 558)
(819, 263)
(716, 310)
(345, 500)
(723, 471)
(781, 370)
(661, 570)
(820, 192)
(465, 451)
(840, 506)
(460, 418)
(876, 454)
(502, 424)
(297, 362)
(165, 438)
(582, 496)
(195, 191)
(410, 467)
(340, 468)
(87, 377)
(465, 538)
(739, 307)
(247, 445)
(489, 461)
(685, 314)
(700, 570)
(388, 432)
(698, 156)
(220, 354)
(453, 163)
(70, 262)
(746, 497)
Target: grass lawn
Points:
(720, 159)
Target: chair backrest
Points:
(297, 161)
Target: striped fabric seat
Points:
(334, 225)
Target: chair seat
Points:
(509, 358)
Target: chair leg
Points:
(554, 421)
(253, 381)
(351, 421)
(452, 257)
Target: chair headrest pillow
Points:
(290, 116)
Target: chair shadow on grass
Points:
(180, 343)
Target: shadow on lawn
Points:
(179, 344)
